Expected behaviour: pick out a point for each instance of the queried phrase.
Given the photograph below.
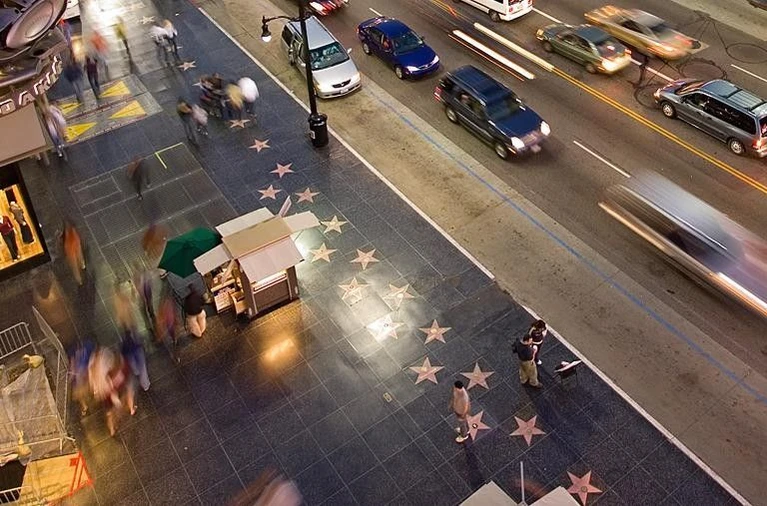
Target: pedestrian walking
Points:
(100, 49)
(461, 406)
(165, 326)
(73, 251)
(200, 118)
(184, 111)
(78, 368)
(66, 29)
(124, 308)
(92, 71)
(154, 240)
(525, 350)
(138, 173)
(74, 75)
(234, 101)
(171, 35)
(159, 37)
(194, 308)
(643, 61)
(122, 34)
(56, 125)
(9, 237)
(110, 379)
(537, 332)
(133, 352)
(144, 283)
(249, 94)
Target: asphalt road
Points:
(564, 180)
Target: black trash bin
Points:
(318, 128)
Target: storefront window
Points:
(20, 238)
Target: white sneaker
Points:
(461, 439)
(539, 363)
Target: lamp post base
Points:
(318, 129)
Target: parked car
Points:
(588, 45)
(334, 73)
(491, 111)
(502, 10)
(397, 45)
(721, 109)
(646, 33)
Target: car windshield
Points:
(407, 42)
(609, 47)
(661, 30)
(504, 107)
(691, 86)
(327, 56)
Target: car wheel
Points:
(451, 115)
(736, 146)
(668, 109)
(590, 68)
(548, 47)
(495, 17)
(501, 150)
(399, 72)
(366, 49)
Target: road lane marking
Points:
(745, 178)
(653, 71)
(486, 58)
(494, 54)
(748, 72)
(449, 9)
(514, 47)
(603, 160)
(549, 16)
(375, 11)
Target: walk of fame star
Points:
(582, 486)
(281, 170)
(364, 258)
(477, 377)
(397, 295)
(426, 371)
(321, 253)
(269, 193)
(527, 429)
(334, 224)
(383, 328)
(435, 332)
(307, 195)
(259, 145)
(188, 65)
(145, 20)
(476, 424)
(238, 123)
(352, 290)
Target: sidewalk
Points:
(340, 411)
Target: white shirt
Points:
(248, 88)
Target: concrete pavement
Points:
(708, 399)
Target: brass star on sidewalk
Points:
(426, 371)
(477, 377)
(364, 258)
(435, 332)
(352, 290)
(269, 193)
(281, 170)
(307, 195)
(334, 224)
(238, 123)
(383, 328)
(259, 145)
(582, 486)
(321, 253)
(527, 429)
(397, 295)
(145, 20)
(476, 424)
(188, 65)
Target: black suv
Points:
(491, 111)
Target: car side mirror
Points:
(349, 51)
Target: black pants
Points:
(10, 241)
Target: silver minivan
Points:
(335, 74)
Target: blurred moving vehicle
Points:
(501, 10)
(588, 45)
(397, 45)
(759, 4)
(646, 33)
(491, 111)
(704, 242)
(721, 109)
(325, 7)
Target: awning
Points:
(301, 221)
(257, 236)
(277, 257)
(244, 221)
(213, 259)
(22, 135)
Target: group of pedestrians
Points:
(165, 38)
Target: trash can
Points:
(318, 130)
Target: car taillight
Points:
(759, 143)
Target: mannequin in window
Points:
(18, 215)
(9, 236)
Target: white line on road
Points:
(603, 160)
(549, 16)
(653, 71)
(748, 72)
(375, 11)
(493, 54)
(514, 47)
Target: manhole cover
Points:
(747, 53)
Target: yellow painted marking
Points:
(68, 107)
(116, 90)
(132, 109)
(76, 130)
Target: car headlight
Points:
(435, 60)
(323, 88)
(411, 68)
(356, 77)
(517, 143)
(609, 65)
(545, 128)
(539, 33)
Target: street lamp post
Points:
(318, 122)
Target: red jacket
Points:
(6, 227)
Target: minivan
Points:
(491, 111)
(502, 10)
(334, 73)
(721, 109)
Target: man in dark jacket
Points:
(528, 371)
(194, 308)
